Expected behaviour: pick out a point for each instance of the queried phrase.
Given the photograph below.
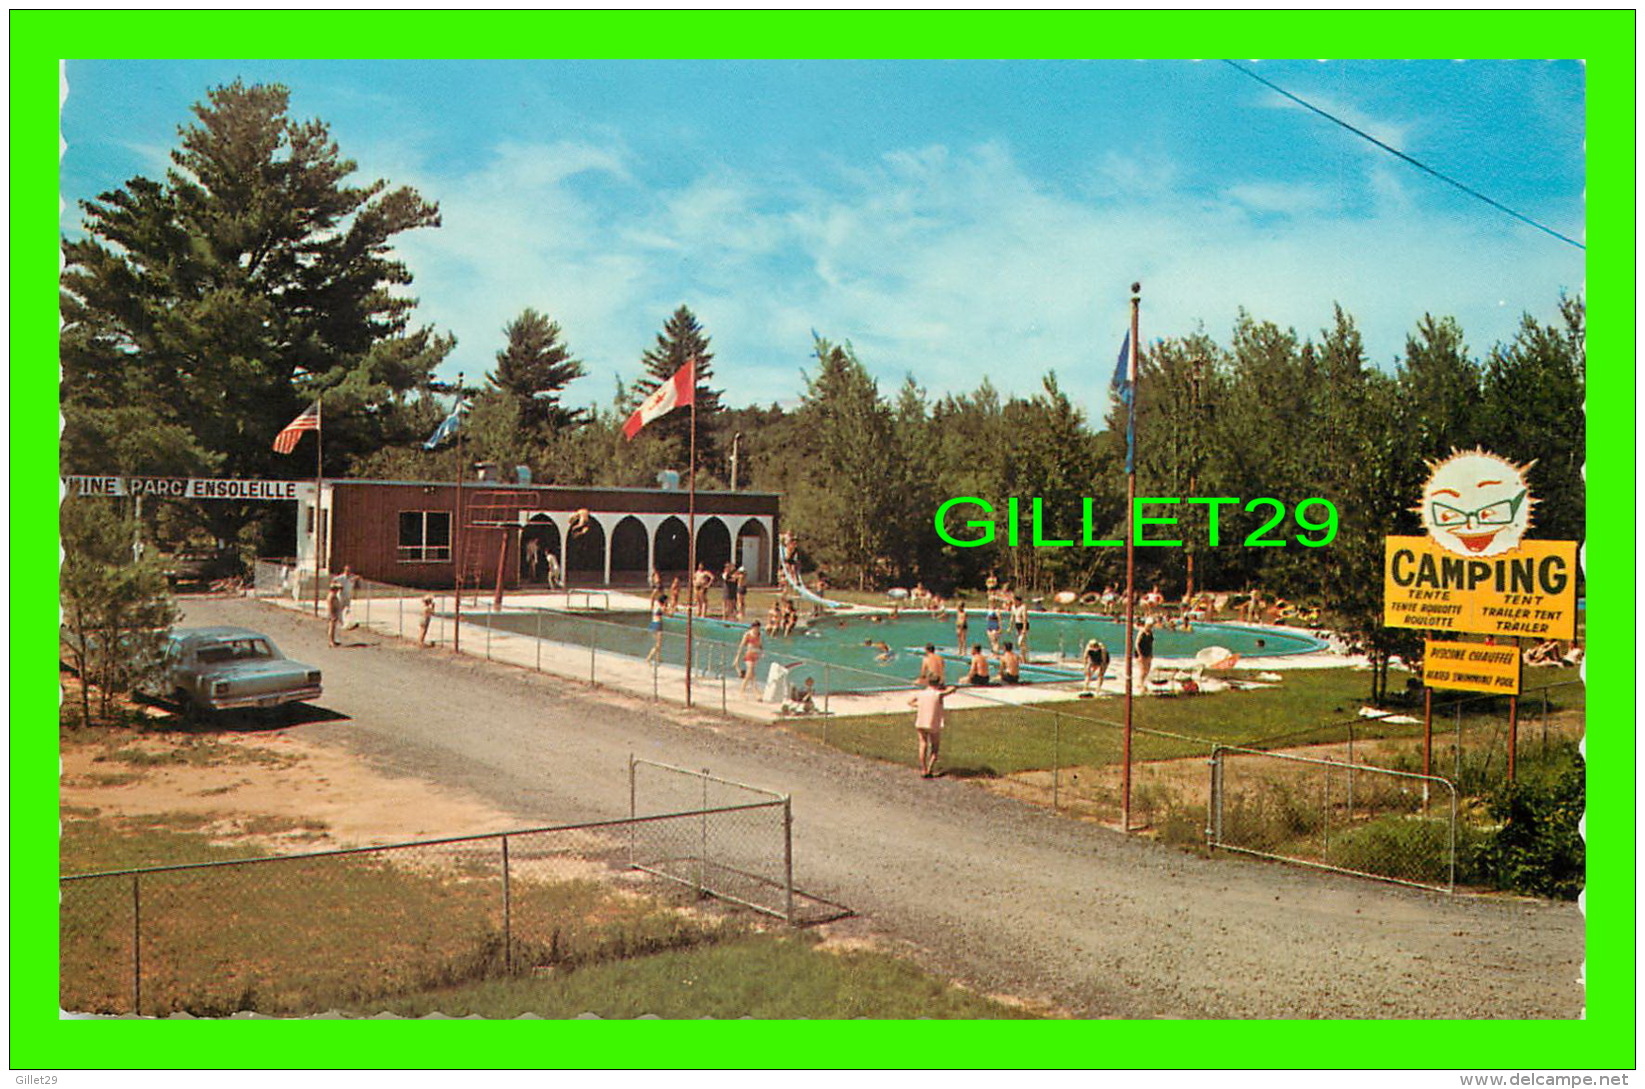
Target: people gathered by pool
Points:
(1010, 665)
(981, 673)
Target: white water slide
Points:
(798, 584)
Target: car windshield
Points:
(234, 650)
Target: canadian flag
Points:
(675, 393)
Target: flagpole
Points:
(691, 531)
(319, 478)
(457, 529)
(1130, 557)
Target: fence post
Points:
(1213, 804)
(401, 619)
(1056, 760)
(1350, 772)
(1456, 771)
(136, 947)
(1325, 819)
(702, 851)
(721, 666)
(365, 585)
(788, 860)
(508, 927)
(588, 627)
(1453, 838)
(491, 618)
(828, 688)
(633, 810)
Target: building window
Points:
(425, 536)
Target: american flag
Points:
(307, 420)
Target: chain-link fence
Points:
(1351, 818)
(338, 929)
(1467, 737)
(744, 854)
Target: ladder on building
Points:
(491, 520)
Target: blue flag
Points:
(1121, 384)
(448, 426)
(1128, 397)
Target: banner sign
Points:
(1529, 591)
(183, 487)
(1471, 667)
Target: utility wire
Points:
(1425, 168)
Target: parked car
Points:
(200, 567)
(223, 668)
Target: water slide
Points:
(797, 584)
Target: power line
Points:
(1425, 168)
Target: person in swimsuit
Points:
(930, 665)
(728, 592)
(658, 607)
(979, 675)
(749, 650)
(1010, 666)
(1145, 651)
(1096, 663)
(1019, 620)
(992, 628)
(961, 623)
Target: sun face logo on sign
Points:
(1476, 504)
(1476, 571)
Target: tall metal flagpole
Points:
(1130, 555)
(691, 531)
(457, 527)
(319, 477)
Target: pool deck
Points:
(397, 617)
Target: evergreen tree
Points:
(665, 442)
(839, 499)
(1531, 409)
(116, 606)
(203, 311)
(533, 369)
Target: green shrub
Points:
(1407, 848)
(1537, 848)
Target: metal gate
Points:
(1349, 818)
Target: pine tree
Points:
(203, 311)
(665, 442)
(534, 368)
(847, 448)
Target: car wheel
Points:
(187, 709)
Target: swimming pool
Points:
(837, 645)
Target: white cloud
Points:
(950, 263)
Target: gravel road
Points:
(995, 893)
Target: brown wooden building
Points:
(410, 533)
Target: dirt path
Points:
(991, 891)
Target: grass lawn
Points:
(416, 932)
(1310, 706)
(763, 976)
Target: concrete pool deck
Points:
(398, 616)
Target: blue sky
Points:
(950, 219)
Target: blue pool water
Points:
(838, 643)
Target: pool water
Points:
(837, 644)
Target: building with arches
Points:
(410, 533)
